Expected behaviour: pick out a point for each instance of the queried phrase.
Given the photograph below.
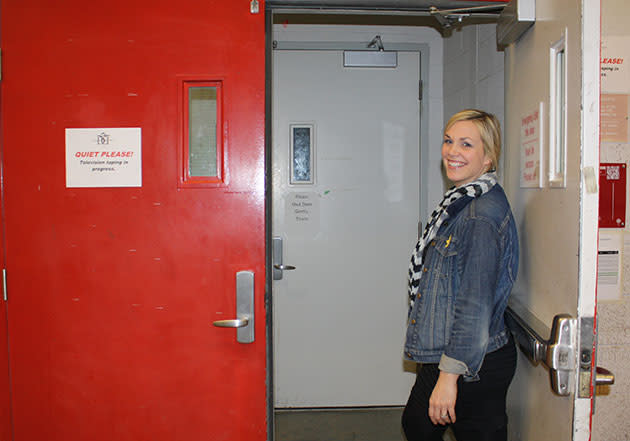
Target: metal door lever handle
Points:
(278, 266)
(283, 267)
(556, 352)
(233, 323)
(603, 377)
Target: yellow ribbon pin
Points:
(448, 241)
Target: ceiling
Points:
(433, 13)
(392, 5)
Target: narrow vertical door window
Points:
(557, 115)
(301, 154)
(202, 152)
(202, 131)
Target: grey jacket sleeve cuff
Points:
(452, 366)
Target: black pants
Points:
(480, 406)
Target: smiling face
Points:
(463, 154)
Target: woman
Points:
(460, 277)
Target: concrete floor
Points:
(362, 424)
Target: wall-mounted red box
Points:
(612, 195)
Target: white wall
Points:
(611, 422)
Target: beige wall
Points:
(611, 421)
(473, 71)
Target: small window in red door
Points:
(201, 155)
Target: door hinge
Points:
(420, 90)
(4, 284)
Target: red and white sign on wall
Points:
(531, 148)
(612, 195)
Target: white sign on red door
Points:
(104, 157)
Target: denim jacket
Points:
(468, 273)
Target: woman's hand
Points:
(443, 397)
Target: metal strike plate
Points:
(587, 337)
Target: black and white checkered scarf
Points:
(471, 190)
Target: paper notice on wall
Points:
(103, 157)
(614, 61)
(609, 265)
(614, 117)
(531, 148)
(302, 213)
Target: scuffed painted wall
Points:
(610, 422)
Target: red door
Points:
(5, 406)
(113, 287)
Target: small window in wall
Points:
(301, 153)
(558, 114)
(202, 152)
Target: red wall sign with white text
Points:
(612, 195)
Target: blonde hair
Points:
(489, 130)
